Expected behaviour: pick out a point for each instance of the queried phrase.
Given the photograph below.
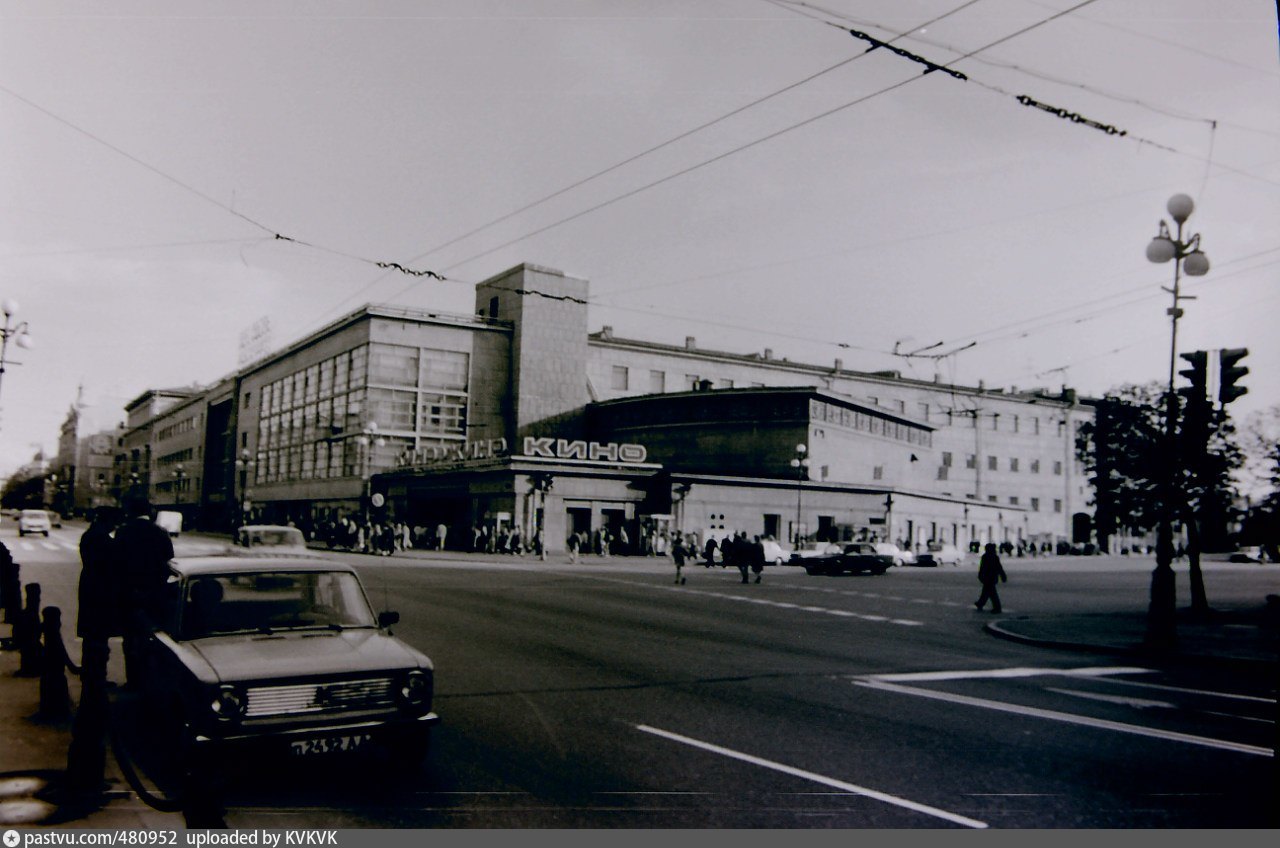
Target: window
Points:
(657, 382)
(995, 421)
(442, 414)
(993, 499)
(444, 369)
(1015, 424)
(1013, 463)
(993, 463)
(946, 458)
(924, 411)
(493, 306)
(1057, 467)
(943, 471)
(1057, 505)
(724, 384)
(1035, 466)
(971, 461)
(691, 382)
(1035, 426)
(620, 378)
(247, 397)
(1035, 504)
(902, 406)
(1013, 500)
(877, 473)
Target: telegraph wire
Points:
(203, 196)
(622, 163)
(136, 247)
(768, 137)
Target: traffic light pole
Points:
(1195, 439)
(1161, 612)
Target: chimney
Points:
(690, 343)
(606, 332)
(839, 364)
(768, 353)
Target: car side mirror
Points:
(386, 618)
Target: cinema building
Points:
(518, 415)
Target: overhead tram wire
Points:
(1026, 100)
(768, 137)
(630, 159)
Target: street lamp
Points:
(243, 462)
(10, 330)
(1186, 256)
(368, 439)
(800, 463)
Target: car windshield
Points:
(36, 514)
(264, 602)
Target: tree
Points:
(1261, 481)
(1122, 452)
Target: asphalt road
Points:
(604, 695)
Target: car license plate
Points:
(327, 745)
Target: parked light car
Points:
(286, 655)
(774, 553)
(270, 536)
(33, 521)
(899, 556)
(852, 558)
(170, 521)
(808, 550)
(940, 555)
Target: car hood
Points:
(305, 653)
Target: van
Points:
(170, 521)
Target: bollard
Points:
(55, 697)
(26, 634)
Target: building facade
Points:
(518, 417)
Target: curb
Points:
(1243, 664)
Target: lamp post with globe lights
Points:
(243, 463)
(18, 332)
(1186, 256)
(800, 462)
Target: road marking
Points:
(816, 778)
(49, 546)
(1006, 673)
(749, 599)
(26, 546)
(1068, 718)
(1136, 703)
(1229, 695)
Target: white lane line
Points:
(26, 546)
(765, 602)
(1006, 673)
(1136, 703)
(816, 778)
(1068, 718)
(49, 546)
(1164, 688)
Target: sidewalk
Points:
(33, 759)
(1246, 638)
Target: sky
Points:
(741, 171)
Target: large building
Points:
(518, 415)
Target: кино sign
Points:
(552, 448)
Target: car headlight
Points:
(228, 704)
(415, 691)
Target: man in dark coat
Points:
(144, 551)
(990, 572)
(101, 617)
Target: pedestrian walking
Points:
(442, 531)
(757, 558)
(677, 553)
(990, 572)
(572, 544)
(710, 552)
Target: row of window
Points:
(843, 416)
(1013, 464)
(1014, 500)
(655, 381)
(177, 428)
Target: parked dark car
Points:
(852, 558)
(286, 654)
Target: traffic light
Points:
(1197, 375)
(1229, 374)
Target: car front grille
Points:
(264, 701)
